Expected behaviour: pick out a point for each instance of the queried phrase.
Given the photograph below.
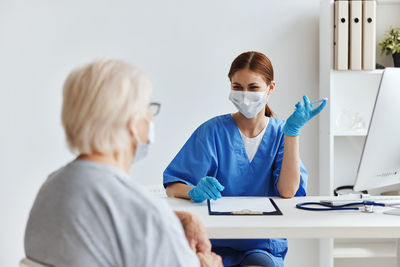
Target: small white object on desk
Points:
(392, 212)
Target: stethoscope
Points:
(364, 206)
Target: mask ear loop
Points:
(267, 93)
(269, 89)
(147, 141)
(132, 131)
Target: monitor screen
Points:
(380, 160)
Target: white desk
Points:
(295, 223)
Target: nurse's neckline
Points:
(255, 138)
(254, 134)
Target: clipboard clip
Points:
(246, 211)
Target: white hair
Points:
(99, 99)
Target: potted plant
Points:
(391, 45)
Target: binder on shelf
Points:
(369, 35)
(355, 23)
(341, 30)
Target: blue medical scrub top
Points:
(216, 149)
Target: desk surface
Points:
(295, 223)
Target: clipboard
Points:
(246, 212)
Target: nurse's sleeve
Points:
(277, 171)
(195, 160)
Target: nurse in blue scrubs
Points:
(248, 153)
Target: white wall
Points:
(186, 47)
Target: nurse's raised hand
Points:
(302, 114)
(207, 188)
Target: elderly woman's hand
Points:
(210, 259)
(195, 232)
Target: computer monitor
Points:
(380, 160)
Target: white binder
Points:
(355, 22)
(369, 35)
(341, 35)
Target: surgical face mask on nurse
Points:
(249, 92)
(248, 103)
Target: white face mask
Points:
(248, 103)
(142, 149)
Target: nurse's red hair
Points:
(257, 62)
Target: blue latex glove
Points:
(207, 188)
(301, 116)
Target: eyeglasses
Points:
(155, 108)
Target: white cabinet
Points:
(351, 97)
(365, 252)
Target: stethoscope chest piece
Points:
(367, 209)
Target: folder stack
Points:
(354, 30)
(369, 35)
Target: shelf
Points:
(388, 2)
(352, 72)
(362, 132)
(365, 250)
(355, 75)
(351, 93)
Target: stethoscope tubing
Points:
(330, 207)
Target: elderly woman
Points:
(90, 212)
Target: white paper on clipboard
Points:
(239, 204)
